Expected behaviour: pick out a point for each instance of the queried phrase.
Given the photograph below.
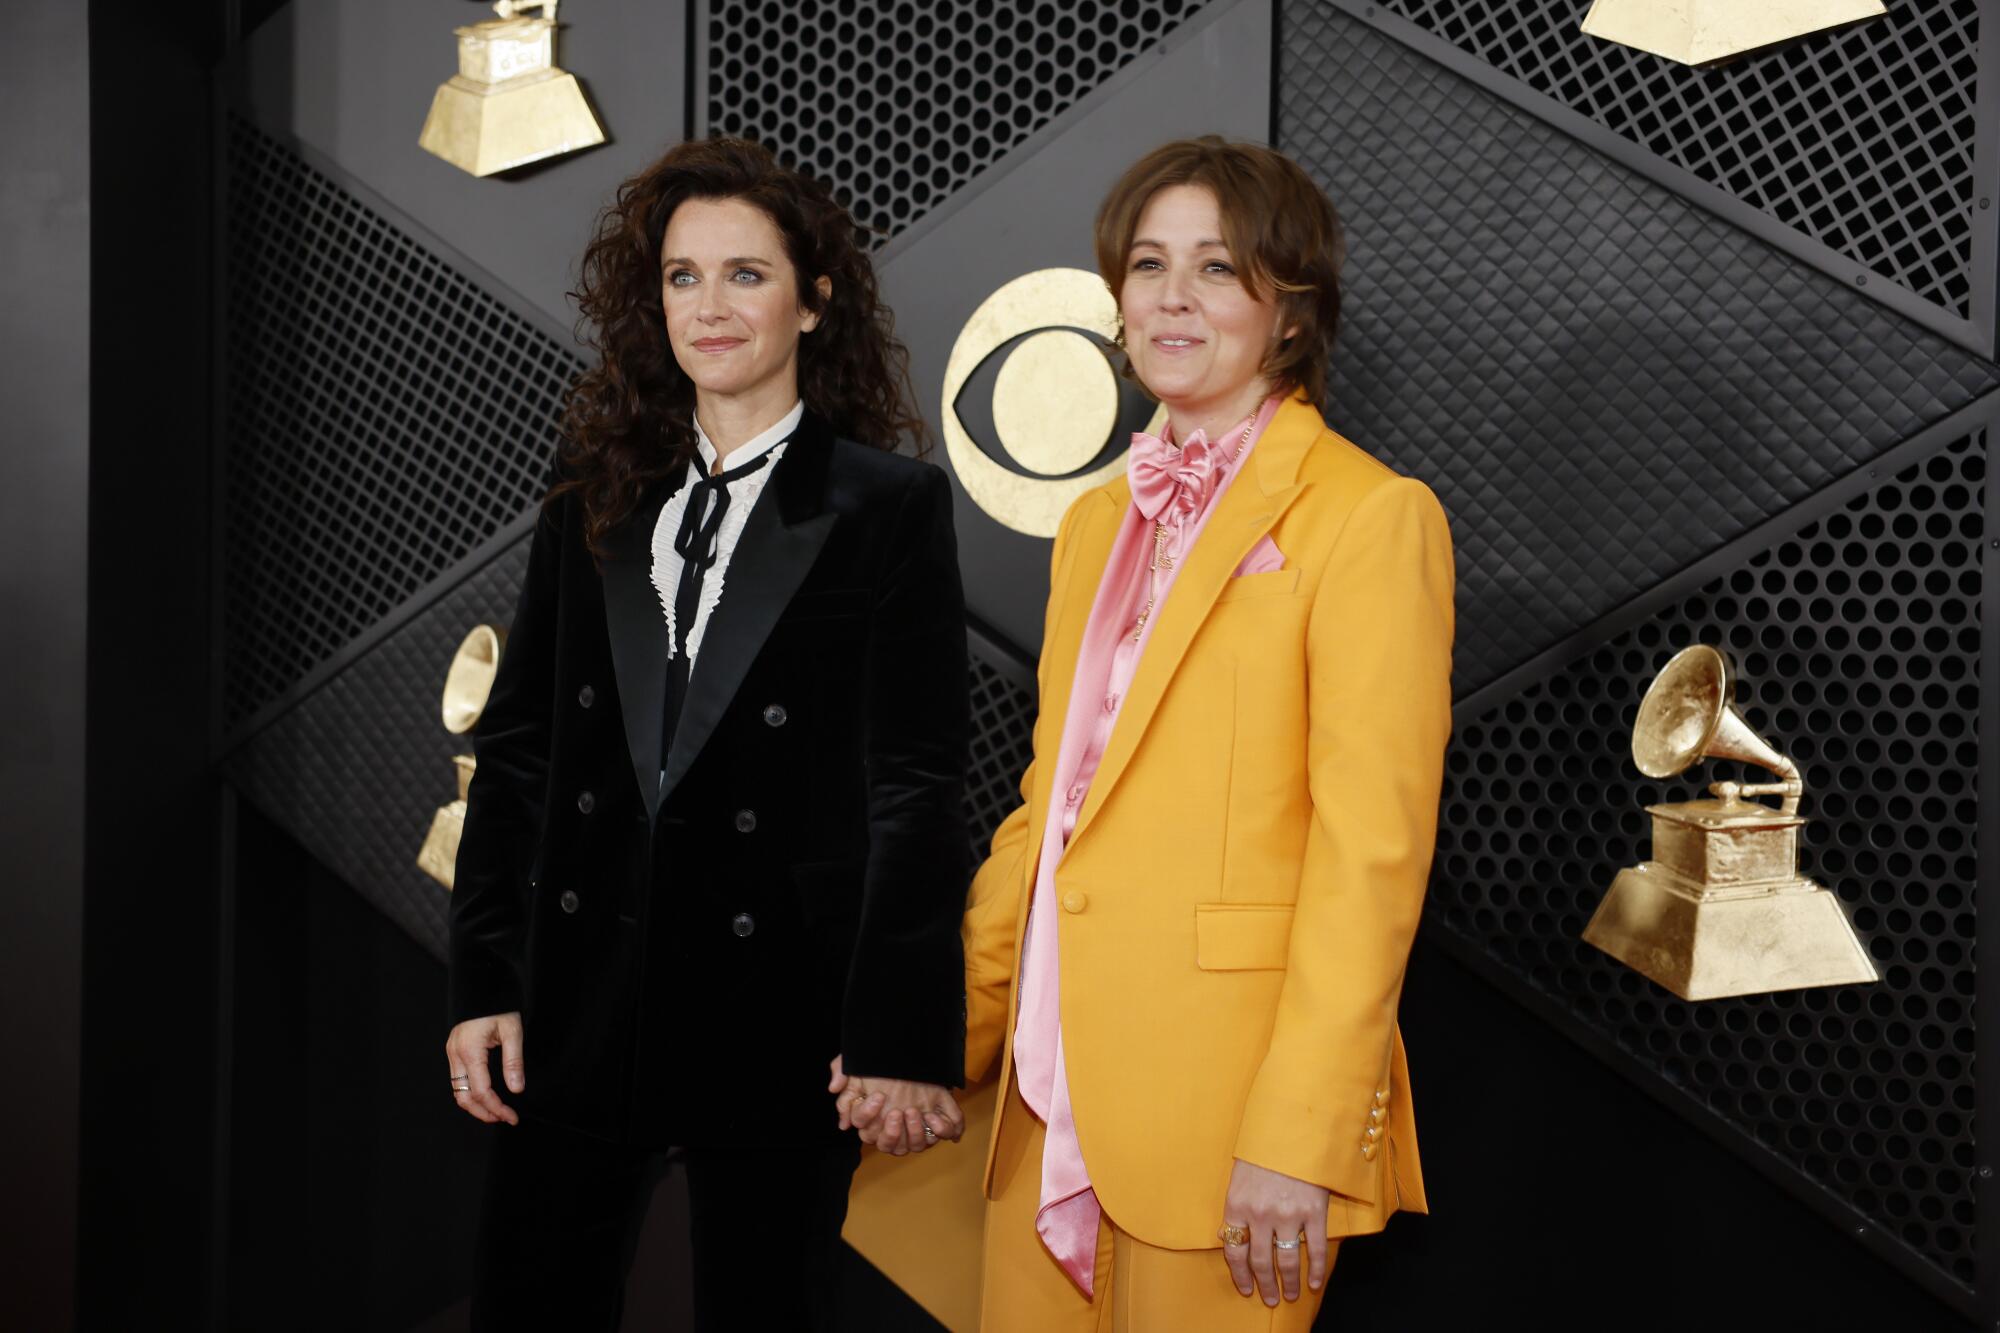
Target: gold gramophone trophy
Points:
(466, 685)
(509, 104)
(1721, 908)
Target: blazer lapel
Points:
(638, 629)
(781, 540)
(1243, 515)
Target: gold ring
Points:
(1233, 1234)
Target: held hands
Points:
(471, 1082)
(1274, 1208)
(896, 1116)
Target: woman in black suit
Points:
(715, 839)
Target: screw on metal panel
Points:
(1861, 280)
(1985, 203)
(1986, 1172)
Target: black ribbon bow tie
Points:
(697, 542)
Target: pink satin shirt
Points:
(1182, 488)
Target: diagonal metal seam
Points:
(330, 668)
(444, 251)
(1190, 29)
(1982, 411)
(1768, 1163)
(1713, 199)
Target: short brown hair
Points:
(1280, 227)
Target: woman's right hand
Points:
(471, 1081)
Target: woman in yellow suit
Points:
(1187, 946)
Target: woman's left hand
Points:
(1274, 1207)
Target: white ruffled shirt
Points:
(743, 493)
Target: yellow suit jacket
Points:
(1240, 892)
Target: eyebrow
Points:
(1202, 244)
(737, 259)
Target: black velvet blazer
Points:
(688, 952)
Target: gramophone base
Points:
(1703, 947)
(438, 857)
(484, 128)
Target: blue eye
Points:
(751, 274)
(1145, 263)
(674, 278)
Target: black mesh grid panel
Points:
(385, 414)
(1003, 734)
(356, 769)
(1602, 382)
(1860, 138)
(1857, 643)
(896, 104)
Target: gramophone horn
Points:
(1686, 717)
(470, 678)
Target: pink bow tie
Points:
(1169, 484)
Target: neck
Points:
(732, 420)
(1212, 416)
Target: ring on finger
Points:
(1284, 1245)
(1233, 1234)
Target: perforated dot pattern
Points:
(1602, 382)
(895, 105)
(1860, 138)
(385, 416)
(1857, 644)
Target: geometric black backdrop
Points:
(1861, 139)
(1602, 382)
(1857, 641)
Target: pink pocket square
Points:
(1264, 557)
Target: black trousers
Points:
(561, 1219)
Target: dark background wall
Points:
(44, 480)
(1685, 352)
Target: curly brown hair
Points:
(628, 421)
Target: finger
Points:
(513, 1066)
(941, 1129)
(483, 1096)
(889, 1136)
(1316, 1249)
(839, 1081)
(1260, 1260)
(913, 1130)
(1238, 1258)
(869, 1109)
(949, 1108)
(1287, 1260)
(843, 1105)
(461, 1068)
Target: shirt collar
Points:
(763, 444)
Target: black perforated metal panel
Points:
(1003, 733)
(1602, 382)
(896, 104)
(1861, 139)
(356, 769)
(386, 415)
(1857, 640)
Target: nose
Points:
(710, 307)
(1176, 293)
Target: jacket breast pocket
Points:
(1276, 583)
(1241, 937)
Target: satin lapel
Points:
(780, 541)
(1243, 515)
(638, 629)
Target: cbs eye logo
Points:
(1034, 415)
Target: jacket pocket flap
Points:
(1276, 583)
(1233, 937)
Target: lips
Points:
(1176, 342)
(716, 344)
